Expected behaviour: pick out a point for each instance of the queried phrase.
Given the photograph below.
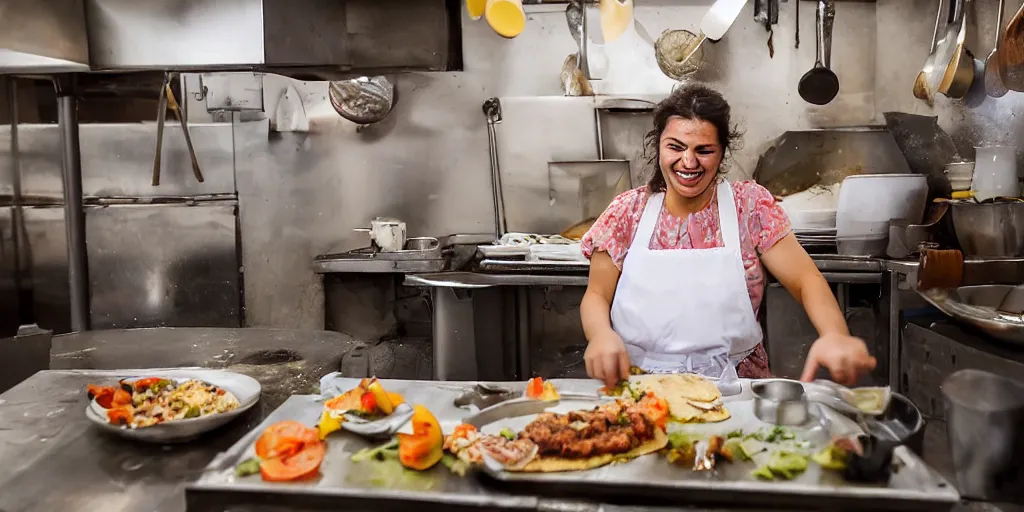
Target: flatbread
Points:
(681, 385)
(714, 416)
(559, 464)
(691, 398)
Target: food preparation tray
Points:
(647, 480)
(914, 486)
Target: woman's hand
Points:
(606, 358)
(846, 358)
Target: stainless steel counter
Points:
(55, 460)
(837, 269)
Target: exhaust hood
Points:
(290, 37)
(43, 36)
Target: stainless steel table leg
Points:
(74, 214)
(891, 312)
(454, 335)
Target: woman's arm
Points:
(795, 270)
(605, 356)
(846, 357)
(596, 307)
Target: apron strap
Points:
(648, 221)
(727, 217)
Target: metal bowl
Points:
(780, 402)
(998, 310)
(990, 230)
(902, 422)
(422, 243)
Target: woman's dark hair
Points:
(692, 101)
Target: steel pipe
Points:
(74, 213)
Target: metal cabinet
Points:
(163, 265)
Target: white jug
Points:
(995, 172)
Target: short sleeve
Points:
(613, 231)
(767, 222)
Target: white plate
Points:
(245, 388)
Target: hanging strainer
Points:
(672, 48)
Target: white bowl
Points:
(960, 183)
(867, 202)
(244, 387)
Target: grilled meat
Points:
(611, 428)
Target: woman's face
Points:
(690, 154)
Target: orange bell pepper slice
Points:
(104, 395)
(422, 449)
(395, 399)
(121, 415)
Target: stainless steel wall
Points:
(301, 194)
(427, 163)
(170, 261)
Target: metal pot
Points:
(990, 230)
(985, 423)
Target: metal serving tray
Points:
(647, 480)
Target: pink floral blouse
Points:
(762, 224)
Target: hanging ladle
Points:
(820, 85)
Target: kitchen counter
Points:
(839, 269)
(55, 460)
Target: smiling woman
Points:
(678, 266)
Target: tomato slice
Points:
(145, 383)
(284, 439)
(304, 464)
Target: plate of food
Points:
(170, 406)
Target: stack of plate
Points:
(820, 237)
(812, 213)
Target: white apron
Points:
(686, 310)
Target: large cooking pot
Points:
(990, 230)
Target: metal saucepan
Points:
(820, 85)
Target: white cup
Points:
(387, 234)
(960, 175)
(995, 172)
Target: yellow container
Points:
(506, 17)
(475, 8)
